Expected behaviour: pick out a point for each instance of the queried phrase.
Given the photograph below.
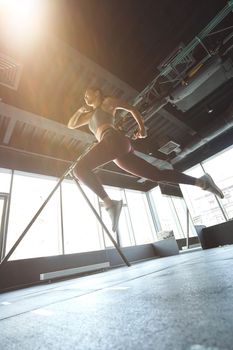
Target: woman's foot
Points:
(208, 184)
(114, 212)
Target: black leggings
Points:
(117, 147)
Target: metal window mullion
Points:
(100, 230)
(190, 217)
(7, 216)
(130, 220)
(148, 214)
(154, 215)
(4, 197)
(176, 216)
(62, 222)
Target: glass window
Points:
(221, 169)
(124, 231)
(106, 219)
(44, 237)
(202, 205)
(166, 214)
(82, 231)
(180, 209)
(1, 211)
(3, 214)
(126, 234)
(140, 215)
(5, 180)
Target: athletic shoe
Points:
(114, 213)
(209, 185)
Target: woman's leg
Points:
(111, 147)
(137, 166)
(105, 151)
(140, 167)
(97, 156)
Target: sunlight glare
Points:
(23, 20)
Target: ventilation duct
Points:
(169, 147)
(208, 79)
(10, 72)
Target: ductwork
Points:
(209, 78)
(207, 134)
(10, 72)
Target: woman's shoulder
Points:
(107, 99)
(109, 102)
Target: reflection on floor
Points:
(183, 302)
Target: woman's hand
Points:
(141, 133)
(81, 117)
(85, 109)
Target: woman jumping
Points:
(113, 146)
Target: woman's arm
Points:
(118, 104)
(81, 117)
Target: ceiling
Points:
(121, 46)
(130, 38)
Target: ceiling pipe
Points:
(207, 134)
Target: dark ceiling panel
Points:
(128, 38)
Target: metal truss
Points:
(170, 71)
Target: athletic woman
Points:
(112, 145)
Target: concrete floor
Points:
(183, 302)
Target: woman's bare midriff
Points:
(101, 130)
